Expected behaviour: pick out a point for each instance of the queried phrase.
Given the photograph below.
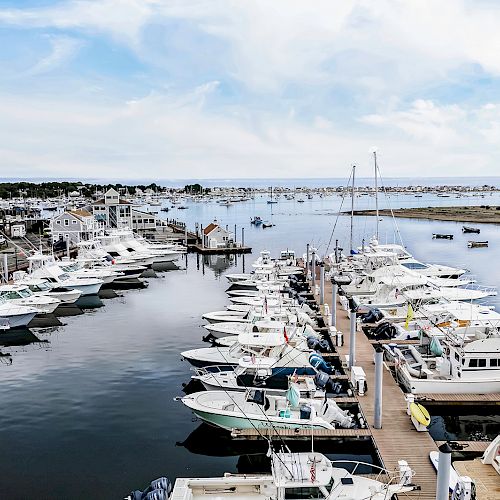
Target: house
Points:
(73, 225)
(215, 236)
(112, 210)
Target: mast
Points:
(376, 193)
(352, 204)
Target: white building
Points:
(113, 211)
(215, 236)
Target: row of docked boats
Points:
(49, 283)
(397, 298)
(266, 371)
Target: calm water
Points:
(88, 411)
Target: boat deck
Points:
(398, 439)
(485, 477)
(458, 399)
(469, 446)
(319, 434)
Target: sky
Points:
(166, 89)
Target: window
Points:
(58, 222)
(494, 362)
(473, 363)
(457, 357)
(482, 363)
(66, 222)
(73, 222)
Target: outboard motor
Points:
(321, 380)
(159, 489)
(319, 364)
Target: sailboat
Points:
(270, 201)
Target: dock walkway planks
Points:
(485, 477)
(398, 439)
(462, 399)
(300, 433)
(469, 446)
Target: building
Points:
(73, 225)
(215, 236)
(113, 211)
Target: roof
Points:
(80, 213)
(121, 201)
(210, 228)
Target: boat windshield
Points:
(414, 265)
(25, 293)
(43, 286)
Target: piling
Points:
(313, 265)
(379, 361)
(67, 248)
(443, 476)
(334, 304)
(352, 339)
(307, 261)
(5, 268)
(243, 236)
(321, 283)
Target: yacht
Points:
(294, 475)
(15, 316)
(41, 287)
(113, 245)
(21, 295)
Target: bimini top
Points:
(271, 339)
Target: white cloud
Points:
(63, 48)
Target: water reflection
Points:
(19, 337)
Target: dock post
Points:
(313, 265)
(201, 235)
(334, 304)
(5, 267)
(379, 374)
(185, 235)
(321, 284)
(242, 236)
(352, 339)
(443, 475)
(67, 248)
(307, 260)
(235, 234)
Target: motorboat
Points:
(294, 475)
(263, 326)
(464, 368)
(15, 316)
(41, 287)
(44, 266)
(21, 295)
(75, 268)
(256, 409)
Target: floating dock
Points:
(397, 439)
(485, 478)
(196, 247)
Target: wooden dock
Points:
(397, 439)
(468, 446)
(486, 478)
(458, 399)
(305, 434)
(237, 249)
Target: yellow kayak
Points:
(420, 414)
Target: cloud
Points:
(63, 48)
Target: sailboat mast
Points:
(352, 203)
(376, 193)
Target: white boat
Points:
(266, 325)
(464, 368)
(491, 456)
(41, 287)
(256, 409)
(294, 475)
(21, 295)
(15, 316)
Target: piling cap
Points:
(445, 448)
(378, 348)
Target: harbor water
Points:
(88, 407)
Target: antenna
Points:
(352, 204)
(376, 191)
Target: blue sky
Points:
(229, 88)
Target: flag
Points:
(285, 335)
(409, 316)
(313, 471)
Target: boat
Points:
(468, 229)
(21, 295)
(267, 224)
(293, 475)
(15, 316)
(454, 476)
(271, 201)
(256, 409)
(477, 244)
(257, 221)
(491, 456)
(42, 287)
(463, 368)
(439, 236)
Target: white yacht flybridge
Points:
(45, 267)
(42, 287)
(113, 245)
(21, 295)
(140, 247)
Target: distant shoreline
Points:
(484, 214)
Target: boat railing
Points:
(379, 473)
(206, 370)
